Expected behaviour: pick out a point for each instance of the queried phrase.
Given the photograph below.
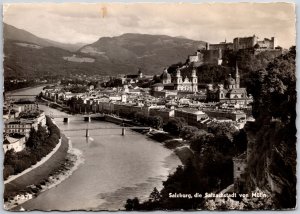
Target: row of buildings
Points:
(124, 103)
(230, 92)
(19, 118)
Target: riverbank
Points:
(56, 169)
(25, 88)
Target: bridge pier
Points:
(66, 120)
(123, 131)
(87, 133)
(87, 119)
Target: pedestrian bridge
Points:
(123, 129)
(76, 115)
(86, 117)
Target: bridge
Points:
(86, 117)
(87, 130)
(123, 128)
(21, 95)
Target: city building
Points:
(254, 42)
(177, 83)
(26, 105)
(15, 142)
(221, 114)
(21, 127)
(192, 116)
(23, 124)
(164, 113)
(230, 92)
(132, 78)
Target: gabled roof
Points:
(238, 90)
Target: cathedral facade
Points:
(179, 83)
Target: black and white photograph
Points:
(149, 106)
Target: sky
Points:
(210, 22)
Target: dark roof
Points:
(132, 76)
(24, 102)
(157, 84)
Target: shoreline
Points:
(73, 160)
(59, 172)
(25, 88)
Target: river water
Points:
(115, 167)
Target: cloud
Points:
(212, 22)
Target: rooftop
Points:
(190, 110)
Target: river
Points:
(115, 167)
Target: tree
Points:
(132, 204)
(277, 97)
(188, 132)
(240, 141)
(42, 133)
(9, 157)
(155, 122)
(154, 195)
(156, 79)
(33, 140)
(174, 126)
(202, 141)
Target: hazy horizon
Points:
(209, 22)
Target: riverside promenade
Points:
(40, 173)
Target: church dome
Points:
(230, 80)
(166, 75)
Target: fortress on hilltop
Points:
(213, 53)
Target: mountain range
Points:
(27, 54)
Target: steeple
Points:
(178, 72)
(194, 72)
(178, 76)
(237, 76)
(194, 80)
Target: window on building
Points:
(238, 168)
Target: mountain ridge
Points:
(12, 33)
(27, 54)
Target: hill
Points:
(28, 55)
(12, 33)
(151, 53)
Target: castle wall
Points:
(212, 56)
(222, 46)
(244, 43)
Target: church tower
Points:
(178, 76)
(178, 80)
(237, 76)
(194, 80)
